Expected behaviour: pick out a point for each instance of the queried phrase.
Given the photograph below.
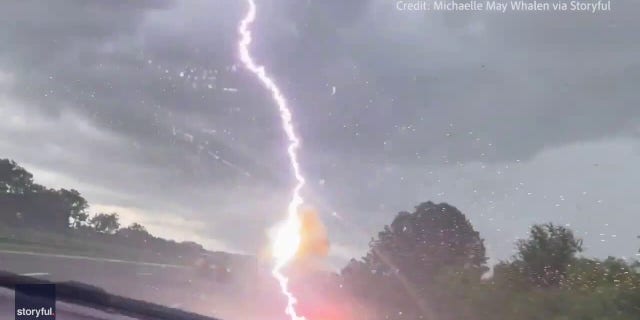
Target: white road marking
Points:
(64, 256)
(34, 274)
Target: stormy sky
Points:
(514, 118)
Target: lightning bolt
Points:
(287, 239)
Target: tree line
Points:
(25, 204)
(430, 264)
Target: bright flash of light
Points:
(288, 236)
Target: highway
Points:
(167, 285)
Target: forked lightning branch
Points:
(504, 6)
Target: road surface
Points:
(168, 285)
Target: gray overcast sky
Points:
(514, 118)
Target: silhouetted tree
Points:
(77, 206)
(44, 209)
(137, 227)
(135, 234)
(407, 257)
(547, 254)
(433, 237)
(26, 204)
(14, 178)
(105, 223)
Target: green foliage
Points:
(547, 254)
(136, 234)
(427, 266)
(26, 204)
(14, 178)
(44, 219)
(421, 243)
(409, 257)
(107, 223)
(77, 207)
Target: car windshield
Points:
(324, 159)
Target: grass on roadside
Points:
(70, 244)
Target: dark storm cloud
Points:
(434, 91)
(117, 66)
(146, 99)
(96, 59)
(571, 73)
